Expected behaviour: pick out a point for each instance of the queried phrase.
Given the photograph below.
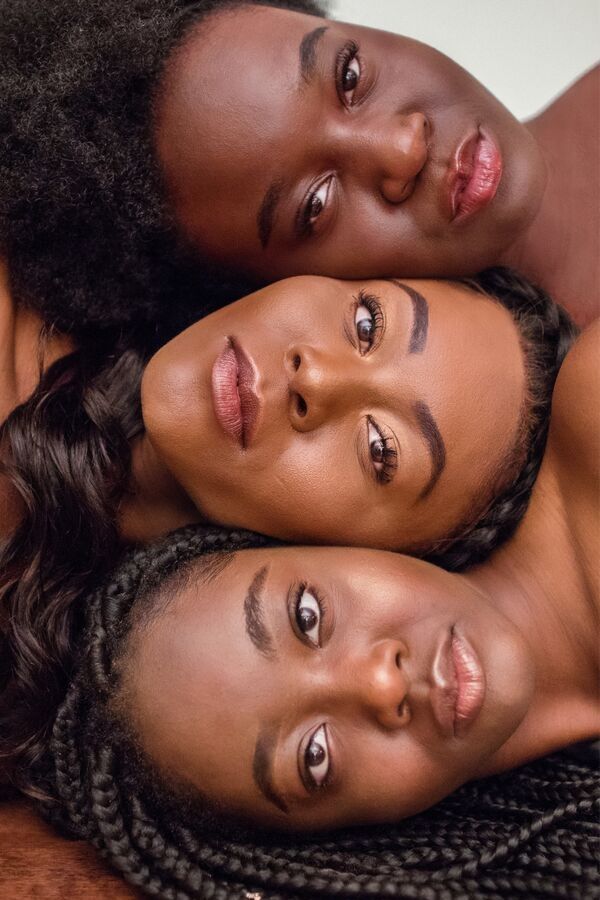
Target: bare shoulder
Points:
(575, 421)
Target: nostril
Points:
(301, 407)
(296, 361)
(402, 709)
(398, 660)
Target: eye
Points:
(316, 758)
(348, 72)
(382, 451)
(313, 207)
(368, 320)
(308, 614)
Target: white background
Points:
(524, 51)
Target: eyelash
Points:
(296, 598)
(371, 302)
(343, 59)
(390, 455)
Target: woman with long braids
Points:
(298, 689)
(315, 410)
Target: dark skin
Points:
(373, 421)
(357, 131)
(300, 690)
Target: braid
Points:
(534, 832)
(547, 333)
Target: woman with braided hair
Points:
(365, 419)
(223, 684)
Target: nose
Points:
(379, 683)
(320, 386)
(393, 151)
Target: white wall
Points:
(524, 51)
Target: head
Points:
(358, 413)
(160, 825)
(378, 155)
(129, 197)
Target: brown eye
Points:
(350, 78)
(365, 328)
(308, 616)
(316, 757)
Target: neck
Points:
(561, 249)
(538, 583)
(155, 503)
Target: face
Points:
(320, 687)
(341, 412)
(378, 155)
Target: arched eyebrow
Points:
(420, 326)
(307, 53)
(435, 443)
(256, 628)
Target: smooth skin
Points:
(296, 690)
(421, 382)
(356, 131)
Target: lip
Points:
(235, 401)
(474, 175)
(458, 685)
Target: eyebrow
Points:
(265, 218)
(253, 615)
(420, 327)
(307, 52)
(430, 431)
(262, 767)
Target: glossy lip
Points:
(233, 386)
(458, 685)
(474, 175)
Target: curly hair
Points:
(532, 833)
(84, 225)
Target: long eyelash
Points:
(343, 59)
(372, 303)
(304, 586)
(390, 456)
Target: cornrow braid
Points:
(532, 833)
(547, 332)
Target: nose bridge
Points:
(389, 149)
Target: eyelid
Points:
(303, 227)
(293, 596)
(387, 474)
(305, 776)
(349, 51)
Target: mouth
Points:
(235, 401)
(474, 176)
(459, 685)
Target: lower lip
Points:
(476, 177)
(470, 684)
(459, 685)
(234, 400)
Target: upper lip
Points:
(458, 684)
(236, 402)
